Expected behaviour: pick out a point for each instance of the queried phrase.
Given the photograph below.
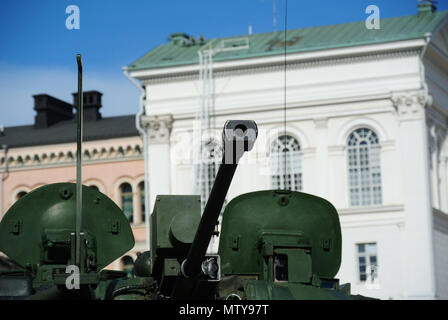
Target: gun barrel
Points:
(238, 137)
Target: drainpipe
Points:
(426, 103)
(422, 67)
(5, 174)
(145, 147)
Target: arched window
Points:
(126, 200)
(286, 150)
(95, 187)
(364, 174)
(141, 190)
(20, 195)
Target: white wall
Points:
(386, 230)
(326, 100)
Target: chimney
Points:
(92, 104)
(426, 7)
(182, 39)
(50, 110)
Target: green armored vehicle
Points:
(274, 244)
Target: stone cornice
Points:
(158, 128)
(32, 160)
(280, 65)
(394, 48)
(372, 209)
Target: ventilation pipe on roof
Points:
(142, 132)
(426, 7)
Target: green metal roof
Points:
(299, 40)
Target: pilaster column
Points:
(321, 127)
(158, 130)
(136, 204)
(434, 166)
(419, 279)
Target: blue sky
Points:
(37, 51)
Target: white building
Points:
(366, 129)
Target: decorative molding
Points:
(308, 151)
(337, 149)
(397, 221)
(361, 121)
(275, 66)
(373, 209)
(158, 128)
(387, 145)
(293, 130)
(67, 158)
(409, 105)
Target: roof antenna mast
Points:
(285, 46)
(79, 119)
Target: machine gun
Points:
(180, 236)
(274, 244)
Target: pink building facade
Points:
(44, 153)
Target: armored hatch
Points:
(39, 229)
(280, 236)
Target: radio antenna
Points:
(79, 116)
(284, 92)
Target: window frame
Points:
(294, 160)
(368, 265)
(375, 187)
(141, 200)
(131, 194)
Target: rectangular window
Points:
(367, 263)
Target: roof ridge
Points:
(308, 39)
(69, 120)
